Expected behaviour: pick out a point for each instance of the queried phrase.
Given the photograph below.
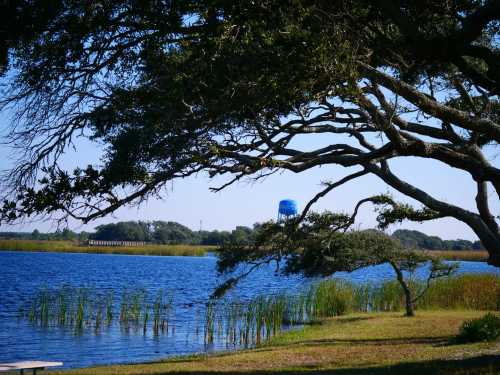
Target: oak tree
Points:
(172, 88)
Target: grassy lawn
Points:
(74, 247)
(385, 343)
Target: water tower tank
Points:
(287, 209)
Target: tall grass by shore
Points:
(75, 247)
(464, 292)
(256, 322)
(235, 323)
(84, 308)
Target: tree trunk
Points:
(409, 305)
(491, 242)
(494, 258)
(410, 309)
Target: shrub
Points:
(486, 328)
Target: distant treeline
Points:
(418, 240)
(169, 232)
(160, 232)
(65, 234)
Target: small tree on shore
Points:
(409, 262)
(321, 246)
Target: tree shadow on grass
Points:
(431, 340)
(352, 319)
(481, 365)
(410, 340)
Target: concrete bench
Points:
(27, 365)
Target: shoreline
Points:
(358, 343)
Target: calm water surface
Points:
(189, 279)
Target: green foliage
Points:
(123, 231)
(65, 234)
(241, 235)
(486, 328)
(273, 242)
(175, 233)
(399, 212)
(214, 237)
(319, 245)
(171, 233)
(334, 251)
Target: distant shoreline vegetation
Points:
(418, 240)
(64, 246)
(171, 238)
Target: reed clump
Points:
(331, 298)
(245, 323)
(256, 321)
(84, 308)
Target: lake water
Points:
(189, 279)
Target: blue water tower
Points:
(287, 209)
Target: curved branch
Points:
(490, 239)
(329, 188)
(432, 107)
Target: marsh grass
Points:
(75, 247)
(464, 292)
(330, 298)
(467, 292)
(245, 323)
(262, 318)
(257, 321)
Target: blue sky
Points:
(189, 201)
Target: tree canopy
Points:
(174, 88)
